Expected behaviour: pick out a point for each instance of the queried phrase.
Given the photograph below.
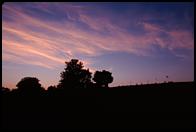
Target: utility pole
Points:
(167, 78)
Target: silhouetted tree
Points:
(29, 85)
(51, 88)
(5, 90)
(85, 78)
(103, 78)
(74, 76)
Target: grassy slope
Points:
(152, 106)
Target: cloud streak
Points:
(47, 35)
(47, 38)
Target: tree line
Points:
(74, 76)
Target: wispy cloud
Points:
(25, 33)
(48, 34)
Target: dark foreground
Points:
(158, 106)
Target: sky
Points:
(137, 42)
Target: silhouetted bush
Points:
(29, 85)
(5, 90)
(103, 78)
(51, 88)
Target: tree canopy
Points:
(103, 78)
(74, 75)
(29, 84)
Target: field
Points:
(152, 106)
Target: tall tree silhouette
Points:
(103, 78)
(74, 76)
(29, 85)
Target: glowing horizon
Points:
(137, 42)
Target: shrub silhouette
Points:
(29, 85)
(103, 78)
(74, 76)
(51, 88)
(5, 90)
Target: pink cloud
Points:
(66, 37)
(177, 38)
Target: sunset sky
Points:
(137, 42)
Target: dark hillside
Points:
(153, 106)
